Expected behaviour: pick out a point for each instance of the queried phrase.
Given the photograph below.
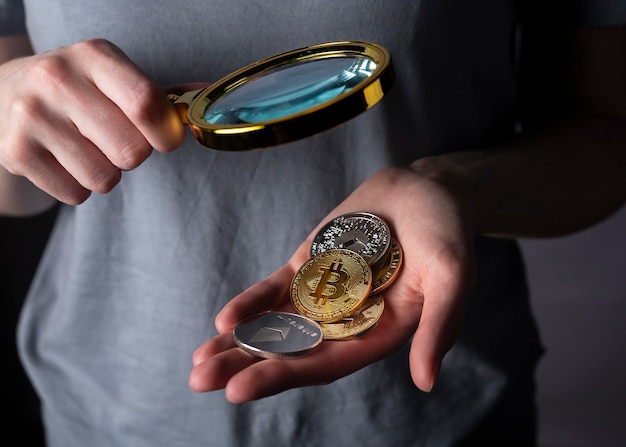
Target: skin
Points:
(563, 174)
(72, 154)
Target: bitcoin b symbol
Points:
(332, 284)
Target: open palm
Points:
(426, 302)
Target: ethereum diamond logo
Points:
(271, 334)
(350, 238)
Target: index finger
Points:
(142, 101)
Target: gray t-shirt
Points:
(131, 281)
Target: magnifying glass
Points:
(289, 96)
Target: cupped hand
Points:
(73, 118)
(430, 220)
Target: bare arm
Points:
(18, 196)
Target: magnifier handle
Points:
(183, 101)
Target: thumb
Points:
(439, 325)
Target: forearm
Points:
(18, 196)
(558, 181)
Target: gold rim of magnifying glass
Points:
(242, 137)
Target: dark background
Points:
(578, 286)
(21, 243)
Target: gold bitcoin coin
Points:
(358, 324)
(331, 285)
(387, 270)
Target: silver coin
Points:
(365, 233)
(277, 335)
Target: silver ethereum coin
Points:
(365, 233)
(278, 335)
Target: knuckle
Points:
(132, 154)
(76, 196)
(147, 105)
(52, 70)
(25, 109)
(18, 159)
(104, 181)
(96, 46)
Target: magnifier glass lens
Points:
(289, 89)
(289, 96)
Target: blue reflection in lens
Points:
(288, 90)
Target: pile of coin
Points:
(337, 292)
(353, 259)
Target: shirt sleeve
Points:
(12, 18)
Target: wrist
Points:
(452, 177)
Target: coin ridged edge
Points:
(388, 271)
